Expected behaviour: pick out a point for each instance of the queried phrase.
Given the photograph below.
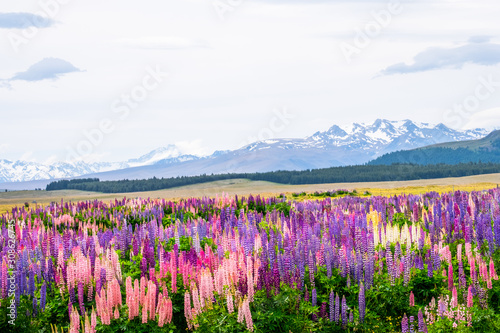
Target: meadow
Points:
(341, 260)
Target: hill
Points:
(485, 150)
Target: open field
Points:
(403, 263)
(245, 187)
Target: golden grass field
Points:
(245, 187)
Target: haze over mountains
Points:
(339, 145)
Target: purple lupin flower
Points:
(310, 263)
(421, 322)
(80, 298)
(337, 308)
(332, 306)
(43, 296)
(322, 311)
(404, 324)
(72, 297)
(35, 305)
(362, 304)
(31, 283)
(344, 311)
(314, 301)
(462, 283)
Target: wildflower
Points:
(404, 324)
(361, 299)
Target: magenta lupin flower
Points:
(470, 301)
(412, 299)
(450, 276)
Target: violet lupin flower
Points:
(43, 296)
(35, 305)
(314, 301)
(461, 276)
(310, 263)
(31, 283)
(421, 322)
(322, 311)
(337, 308)
(80, 298)
(362, 304)
(332, 306)
(404, 324)
(344, 311)
(72, 297)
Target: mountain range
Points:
(339, 145)
(484, 150)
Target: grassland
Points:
(245, 187)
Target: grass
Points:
(244, 187)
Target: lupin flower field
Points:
(408, 263)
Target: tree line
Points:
(345, 174)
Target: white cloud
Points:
(194, 147)
(161, 43)
(489, 119)
(228, 76)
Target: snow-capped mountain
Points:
(384, 136)
(339, 145)
(21, 171)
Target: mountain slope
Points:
(483, 150)
(338, 146)
(21, 171)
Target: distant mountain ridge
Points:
(482, 150)
(339, 145)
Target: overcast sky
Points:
(238, 70)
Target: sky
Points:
(112, 80)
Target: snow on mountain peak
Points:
(353, 143)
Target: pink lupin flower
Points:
(196, 301)
(142, 293)
(93, 320)
(470, 301)
(187, 308)
(229, 301)
(144, 315)
(472, 268)
(248, 315)
(454, 297)
(412, 299)
(168, 311)
(87, 324)
(161, 313)
(450, 276)
(493, 273)
(74, 321)
(241, 315)
(152, 299)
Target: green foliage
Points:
(184, 241)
